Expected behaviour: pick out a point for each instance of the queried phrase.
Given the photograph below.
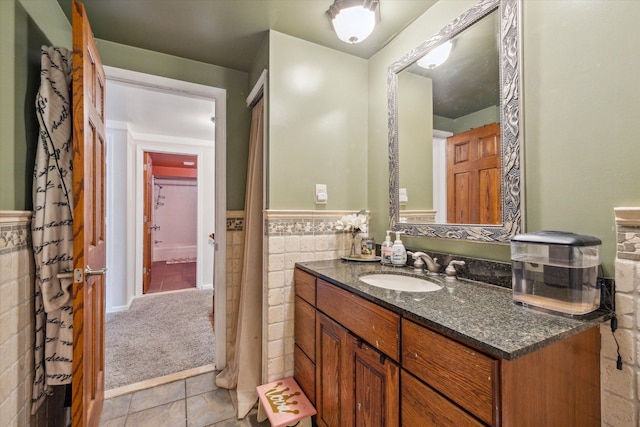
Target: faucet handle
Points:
(451, 271)
(418, 264)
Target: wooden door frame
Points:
(204, 152)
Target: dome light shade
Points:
(353, 20)
(436, 56)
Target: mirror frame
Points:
(510, 128)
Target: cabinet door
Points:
(333, 399)
(422, 406)
(304, 371)
(305, 327)
(305, 285)
(375, 386)
(460, 373)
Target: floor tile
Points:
(201, 384)
(209, 408)
(114, 422)
(171, 414)
(156, 396)
(250, 420)
(116, 407)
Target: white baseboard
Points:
(117, 308)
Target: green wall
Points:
(24, 26)
(328, 115)
(415, 139)
(22, 32)
(581, 107)
(317, 125)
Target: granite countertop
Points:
(481, 315)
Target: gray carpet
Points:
(159, 335)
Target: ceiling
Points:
(229, 33)
(149, 110)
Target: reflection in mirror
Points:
(454, 160)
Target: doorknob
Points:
(97, 272)
(77, 273)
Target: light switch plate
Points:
(404, 198)
(321, 194)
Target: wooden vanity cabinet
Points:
(423, 406)
(305, 333)
(448, 383)
(355, 384)
(463, 375)
(374, 324)
(352, 372)
(354, 356)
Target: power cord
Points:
(614, 320)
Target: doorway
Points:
(127, 142)
(170, 213)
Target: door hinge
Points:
(144, 270)
(144, 167)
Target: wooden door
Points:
(148, 221)
(333, 399)
(474, 190)
(375, 385)
(89, 254)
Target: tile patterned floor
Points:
(172, 277)
(190, 402)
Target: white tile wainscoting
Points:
(620, 389)
(291, 236)
(17, 330)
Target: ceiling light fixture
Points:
(353, 20)
(436, 56)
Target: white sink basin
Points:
(398, 282)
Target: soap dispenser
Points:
(385, 250)
(398, 252)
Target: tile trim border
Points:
(302, 222)
(15, 231)
(235, 220)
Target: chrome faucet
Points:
(420, 259)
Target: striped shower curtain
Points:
(52, 225)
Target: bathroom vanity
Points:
(464, 355)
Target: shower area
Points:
(172, 226)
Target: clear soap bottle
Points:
(385, 250)
(398, 252)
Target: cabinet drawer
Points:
(460, 373)
(305, 286)
(305, 327)
(422, 406)
(304, 371)
(374, 324)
